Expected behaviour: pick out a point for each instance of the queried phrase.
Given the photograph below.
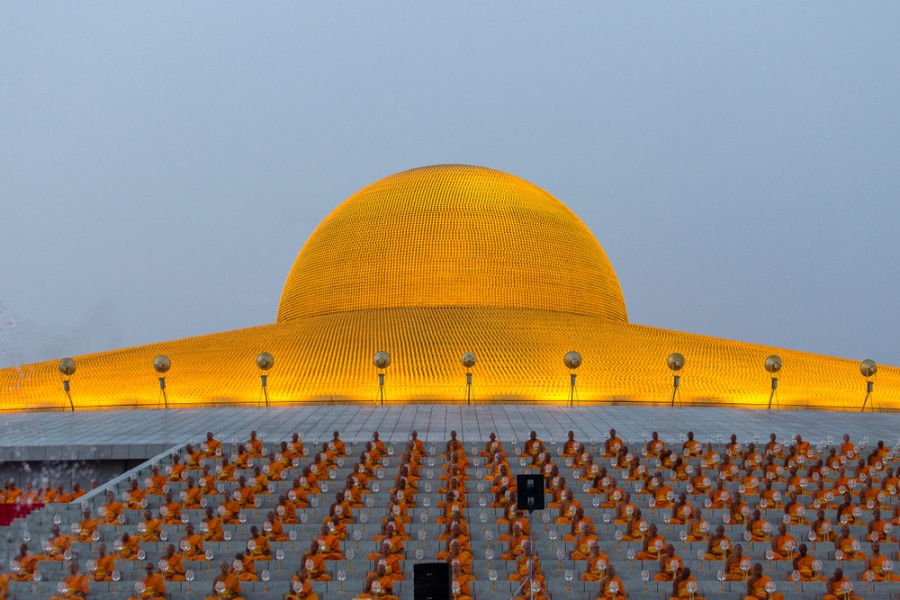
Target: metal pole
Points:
(265, 390)
(162, 390)
(381, 387)
(68, 395)
(468, 388)
(774, 388)
(870, 385)
(572, 377)
(675, 385)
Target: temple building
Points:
(427, 265)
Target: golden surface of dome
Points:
(452, 236)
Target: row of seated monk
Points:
(453, 447)
(43, 493)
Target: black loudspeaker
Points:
(431, 581)
(530, 492)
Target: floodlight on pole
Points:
(67, 368)
(161, 364)
(675, 362)
(773, 366)
(868, 368)
(264, 361)
(382, 361)
(468, 361)
(572, 360)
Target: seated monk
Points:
(877, 528)
(636, 528)
(758, 527)
(391, 559)
(570, 447)
(612, 445)
(669, 564)
(691, 447)
(516, 544)
(459, 582)
(685, 586)
(720, 497)
(259, 545)
(698, 528)
(682, 512)
(611, 587)
(211, 447)
(735, 564)
(172, 565)
(583, 543)
(654, 543)
(379, 585)
(876, 564)
(192, 544)
(154, 586)
(106, 564)
(527, 564)
(226, 585)
(784, 544)
(301, 588)
(533, 446)
(655, 446)
(170, 511)
(112, 510)
(329, 543)
(24, 564)
(58, 544)
(823, 528)
(211, 527)
(839, 587)
(805, 565)
(150, 528)
(847, 546)
(76, 585)
(244, 567)
(758, 584)
(597, 563)
(314, 562)
(135, 497)
(719, 546)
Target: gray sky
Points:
(161, 164)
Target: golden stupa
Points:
(427, 265)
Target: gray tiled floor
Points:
(102, 433)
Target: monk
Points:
(611, 587)
(58, 544)
(212, 447)
(839, 587)
(876, 564)
(612, 445)
(259, 548)
(784, 544)
(533, 446)
(733, 564)
(192, 544)
(314, 562)
(669, 564)
(244, 567)
(25, 564)
(301, 588)
(337, 445)
(172, 565)
(757, 584)
(112, 509)
(691, 448)
(758, 527)
(654, 543)
(154, 586)
(77, 585)
(135, 496)
(583, 543)
(685, 586)
(597, 564)
(254, 445)
(211, 527)
(803, 564)
(698, 528)
(719, 546)
(848, 546)
(106, 564)
(129, 547)
(226, 585)
(379, 585)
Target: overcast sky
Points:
(161, 164)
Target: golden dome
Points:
(452, 236)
